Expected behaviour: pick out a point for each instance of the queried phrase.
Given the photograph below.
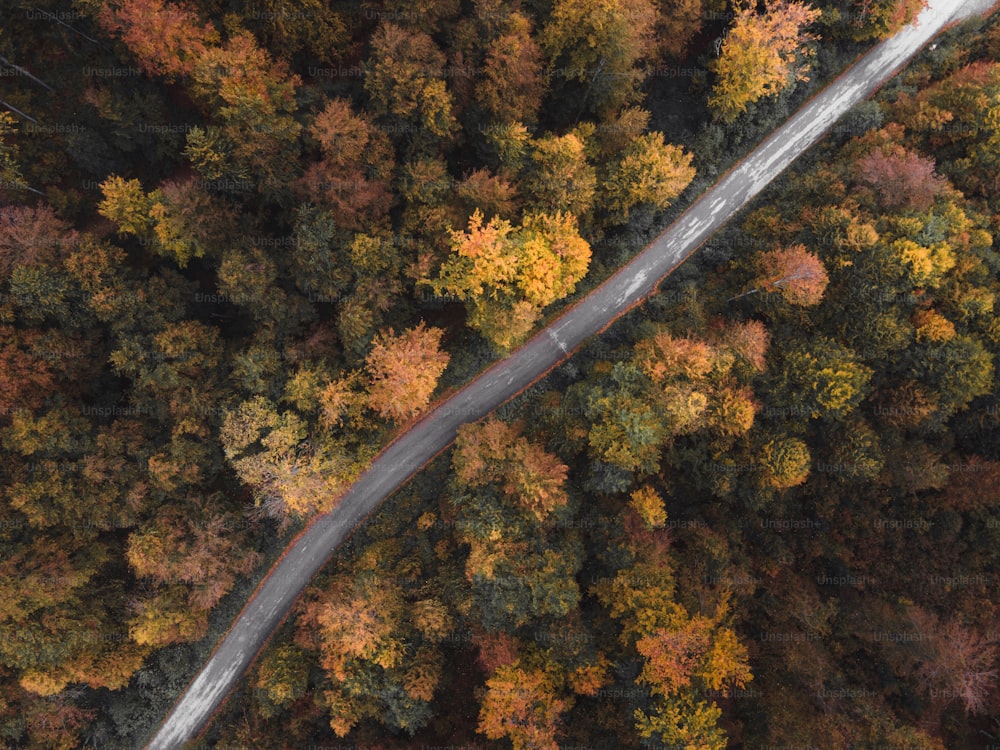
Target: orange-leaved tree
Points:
(166, 38)
(521, 704)
(495, 452)
(404, 371)
(512, 83)
(794, 272)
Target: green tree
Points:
(558, 177)
(597, 46)
(298, 26)
(957, 370)
(822, 379)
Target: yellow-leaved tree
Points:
(507, 274)
(761, 55)
(649, 172)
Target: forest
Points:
(245, 243)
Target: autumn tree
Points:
(795, 273)
(199, 551)
(961, 663)
(178, 366)
(166, 38)
(823, 379)
(406, 79)
(493, 194)
(683, 654)
(678, 22)
(11, 179)
(27, 378)
(126, 204)
(672, 386)
(268, 450)
(494, 452)
(610, 139)
(558, 176)
(54, 617)
(749, 343)
(188, 221)
(649, 172)
(520, 704)
(958, 370)
(649, 505)
(761, 55)
(351, 178)
(902, 180)
(879, 19)
(179, 220)
(507, 274)
(372, 650)
(359, 271)
(282, 677)
(596, 46)
(427, 189)
(953, 119)
(512, 84)
(624, 431)
(253, 98)
(404, 371)
(56, 722)
(507, 494)
(248, 277)
(296, 26)
(33, 235)
(510, 143)
(785, 463)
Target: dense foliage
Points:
(244, 244)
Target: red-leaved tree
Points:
(166, 39)
(902, 180)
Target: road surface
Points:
(628, 287)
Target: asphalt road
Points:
(628, 287)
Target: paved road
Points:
(625, 289)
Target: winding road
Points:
(630, 286)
